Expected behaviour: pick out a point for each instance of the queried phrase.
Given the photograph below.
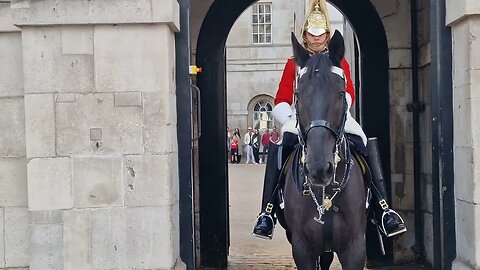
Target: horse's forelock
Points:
(319, 64)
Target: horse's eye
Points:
(341, 95)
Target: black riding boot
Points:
(390, 222)
(277, 154)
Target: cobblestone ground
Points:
(251, 253)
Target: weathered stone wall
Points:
(88, 120)
(464, 19)
(14, 230)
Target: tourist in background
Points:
(240, 145)
(234, 145)
(248, 142)
(256, 146)
(265, 141)
(275, 136)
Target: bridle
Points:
(339, 133)
(340, 140)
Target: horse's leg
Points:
(353, 258)
(302, 255)
(326, 260)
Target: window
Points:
(262, 115)
(262, 23)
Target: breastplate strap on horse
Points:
(336, 186)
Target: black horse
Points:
(324, 194)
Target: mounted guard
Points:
(316, 38)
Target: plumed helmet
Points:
(316, 22)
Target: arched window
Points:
(262, 114)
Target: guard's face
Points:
(316, 43)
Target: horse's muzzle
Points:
(319, 173)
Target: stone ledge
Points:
(458, 10)
(6, 19)
(53, 12)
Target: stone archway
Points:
(213, 202)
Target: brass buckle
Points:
(327, 203)
(269, 208)
(383, 204)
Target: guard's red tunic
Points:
(285, 88)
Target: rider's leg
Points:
(277, 155)
(389, 221)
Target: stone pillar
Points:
(464, 19)
(14, 236)
(396, 20)
(100, 133)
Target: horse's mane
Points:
(320, 65)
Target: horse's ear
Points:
(299, 53)
(336, 48)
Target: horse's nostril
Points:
(320, 171)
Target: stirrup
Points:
(268, 236)
(397, 217)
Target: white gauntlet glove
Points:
(283, 113)
(290, 125)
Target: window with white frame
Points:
(262, 23)
(262, 115)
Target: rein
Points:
(340, 140)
